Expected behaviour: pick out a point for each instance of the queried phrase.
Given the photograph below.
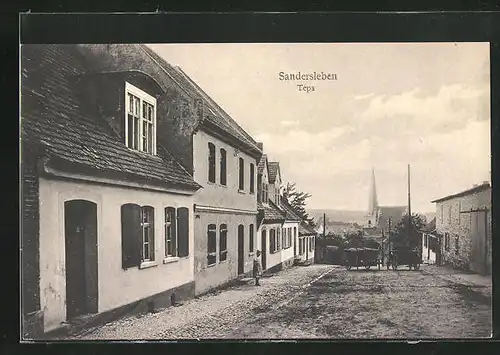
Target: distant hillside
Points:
(349, 216)
(338, 215)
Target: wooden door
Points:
(478, 242)
(80, 257)
(241, 249)
(264, 249)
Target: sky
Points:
(393, 104)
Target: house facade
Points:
(307, 245)
(107, 210)
(270, 219)
(463, 224)
(430, 244)
(225, 211)
(221, 157)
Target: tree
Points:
(354, 239)
(403, 237)
(297, 199)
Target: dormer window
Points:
(140, 120)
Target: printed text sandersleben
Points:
(307, 76)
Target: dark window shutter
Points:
(183, 231)
(131, 235)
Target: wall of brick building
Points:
(451, 219)
(30, 231)
(32, 318)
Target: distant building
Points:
(307, 244)
(277, 222)
(430, 243)
(463, 224)
(379, 218)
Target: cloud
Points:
(363, 97)
(300, 141)
(451, 108)
(288, 123)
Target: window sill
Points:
(171, 259)
(148, 264)
(142, 152)
(211, 265)
(222, 261)
(251, 253)
(242, 192)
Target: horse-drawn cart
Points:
(362, 257)
(405, 256)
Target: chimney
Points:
(475, 185)
(486, 182)
(260, 145)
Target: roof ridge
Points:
(464, 192)
(217, 106)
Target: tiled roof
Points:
(262, 164)
(53, 114)
(271, 212)
(291, 214)
(213, 112)
(273, 171)
(475, 189)
(305, 229)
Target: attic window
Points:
(140, 120)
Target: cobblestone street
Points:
(322, 301)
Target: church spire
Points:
(373, 202)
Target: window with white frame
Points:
(272, 240)
(212, 244)
(252, 178)
(211, 162)
(170, 233)
(278, 239)
(223, 242)
(223, 164)
(147, 225)
(241, 172)
(140, 120)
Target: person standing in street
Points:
(257, 268)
